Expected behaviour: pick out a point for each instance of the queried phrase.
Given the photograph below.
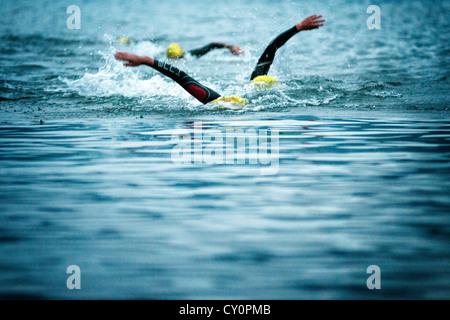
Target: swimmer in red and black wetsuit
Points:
(205, 94)
(174, 51)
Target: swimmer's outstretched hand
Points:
(133, 60)
(236, 50)
(310, 23)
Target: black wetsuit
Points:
(204, 50)
(265, 61)
(200, 92)
(205, 94)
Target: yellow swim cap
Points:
(264, 82)
(124, 40)
(235, 99)
(174, 51)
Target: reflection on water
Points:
(106, 196)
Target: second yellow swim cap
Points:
(235, 99)
(264, 82)
(124, 40)
(174, 51)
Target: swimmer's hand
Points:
(236, 50)
(133, 60)
(310, 23)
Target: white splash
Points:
(114, 79)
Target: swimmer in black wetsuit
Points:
(174, 50)
(205, 94)
(200, 92)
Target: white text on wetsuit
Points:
(169, 68)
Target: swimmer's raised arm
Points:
(236, 50)
(198, 91)
(266, 59)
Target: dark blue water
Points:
(88, 178)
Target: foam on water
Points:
(114, 79)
